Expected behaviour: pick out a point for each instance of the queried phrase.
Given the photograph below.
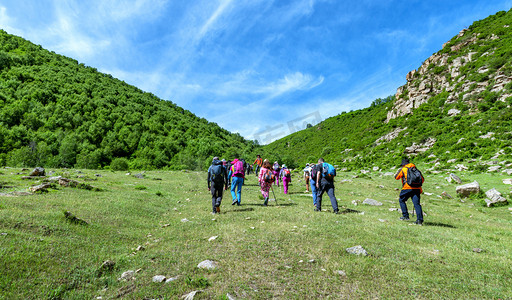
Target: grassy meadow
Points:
(161, 225)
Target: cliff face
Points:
(473, 66)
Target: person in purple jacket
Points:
(286, 176)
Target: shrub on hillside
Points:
(119, 164)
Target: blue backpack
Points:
(328, 171)
(216, 173)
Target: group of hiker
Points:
(222, 174)
(319, 177)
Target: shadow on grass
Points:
(299, 193)
(438, 224)
(273, 203)
(240, 209)
(281, 203)
(349, 211)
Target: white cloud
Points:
(291, 82)
(213, 18)
(6, 22)
(71, 40)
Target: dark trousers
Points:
(326, 186)
(415, 196)
(216, 195)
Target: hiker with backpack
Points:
(227, 165)
(412, 180)
(276, 170)
(237, 175)
(258, 162)
(307, 175)
(312, 180)
(325, 183)
(217, 182)
(286, 176)
(266, 178)
(246, 167)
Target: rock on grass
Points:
(208, 264)
(357, 250)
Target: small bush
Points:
(119, 164)
(140, 187)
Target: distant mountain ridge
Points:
(455, 109)
(56, 112)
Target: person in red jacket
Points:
(409, 192)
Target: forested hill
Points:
(454, 110)
(56, 112)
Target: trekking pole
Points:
(275, 199)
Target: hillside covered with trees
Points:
(456, 108)
(56, 112)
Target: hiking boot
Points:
(238, 203)
(418, 222)
(217, 209)
(234, 202)
(316, 209)
(404, 218)
(337, 211)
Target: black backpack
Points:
(314, 171)
(216, 175)
(414, 177)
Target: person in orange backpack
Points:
(412, 180)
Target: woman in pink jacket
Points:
(265, 183)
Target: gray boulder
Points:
(468, 189)
(159, 278)
(127, 276)
(39, 171)
(40, 188)
(494, 197)
(208, 264)
(455, 178)
(446, 195)
(493, 168)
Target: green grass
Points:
(263, 252)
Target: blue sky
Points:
(262, 68)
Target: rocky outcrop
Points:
(390, 136)
(443, 71)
